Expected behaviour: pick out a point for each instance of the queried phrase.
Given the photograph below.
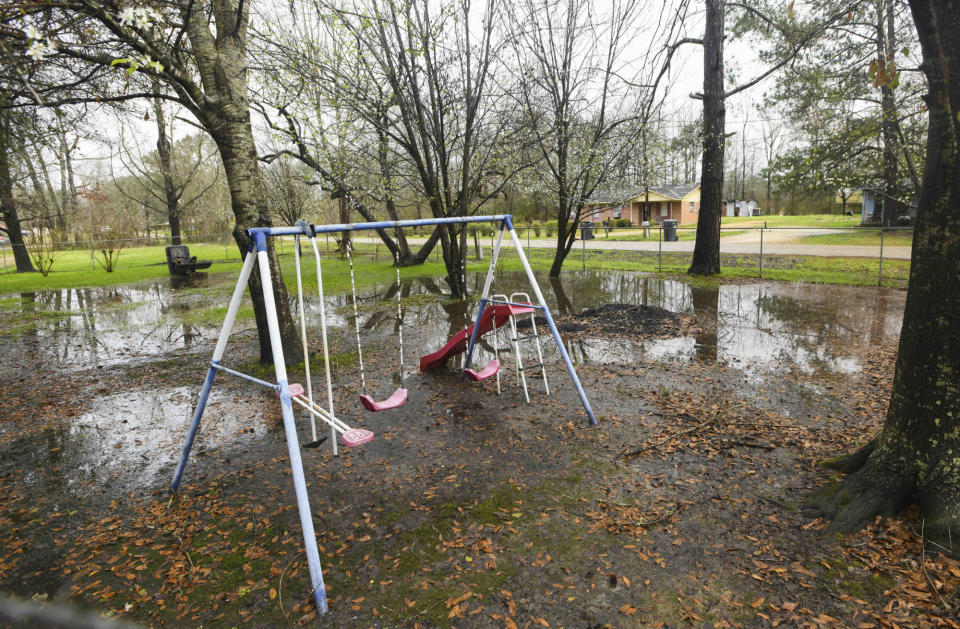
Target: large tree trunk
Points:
(916, 457)
(706, 251)
(566, 236)
(249, 204)
(453, 258)
(170, 191)
(886, 44)
(8, 205)
(222, 66)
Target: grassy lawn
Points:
(71, 269)
(808, 220)
(866, 237)
(813, 269)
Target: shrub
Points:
(42, 252)
(622, 222)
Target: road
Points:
(776, 242)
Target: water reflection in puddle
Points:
(758, 327)
(90, 327)
(764, 329)
(130, 437)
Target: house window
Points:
(693, 206)
(618, 213)
(664, 208)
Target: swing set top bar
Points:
(309, 229)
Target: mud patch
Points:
(620, 319)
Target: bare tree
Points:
(169, 178)
(586, 103)
(196, 51)
(435, 64)
(913, 459)
(9, 125)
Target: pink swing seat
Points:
(394, 401)
(357, 437)
(296, 390)
(492, 368)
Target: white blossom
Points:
(35, 50)
(138, 16)
(33, 33)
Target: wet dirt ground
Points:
(469, 509)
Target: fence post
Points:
(761, 252)
(583, 252)
(528, 240)
(660, 249)
(3, 251)
(880, 272)
(92, 266)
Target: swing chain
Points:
(396, 263)
(356, 316)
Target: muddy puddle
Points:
(127, 439)
(759, 327)
(96, 327)
(133, 437)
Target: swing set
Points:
(493, 312)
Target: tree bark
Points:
(916, 457)
(706, 251)
(166, 170)
(8, 205)
(886, 44)
(222, 67)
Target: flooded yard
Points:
(468, 509)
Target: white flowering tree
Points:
(188, 51)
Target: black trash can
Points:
(586, 230)
(670, 230)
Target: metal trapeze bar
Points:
(238, 374)
(307, 229)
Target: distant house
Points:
(680, 202)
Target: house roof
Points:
(676, 190)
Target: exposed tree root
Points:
(860, 497)
(850, 463)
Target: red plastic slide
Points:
(458, 344)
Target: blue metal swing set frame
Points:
(258, 254)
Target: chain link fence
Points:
(851, 255)
(858, 255)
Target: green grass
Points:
(72, 268)
(807, 220)
(813, 269)
(864, 237)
